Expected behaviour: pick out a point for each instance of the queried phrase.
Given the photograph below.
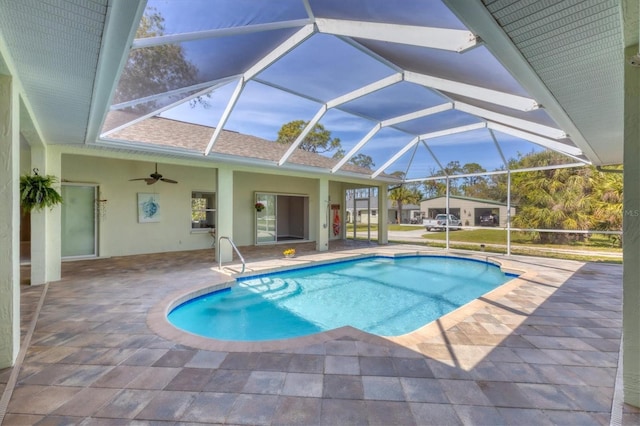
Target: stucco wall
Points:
(25, 158)
(247, 184)
(120, 232)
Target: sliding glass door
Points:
(79, 230)
(266, 230)
(281, 217)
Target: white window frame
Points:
(210, 209)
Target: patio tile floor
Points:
(542, 349)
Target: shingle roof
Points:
(194, 137)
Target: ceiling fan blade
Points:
(154, 177)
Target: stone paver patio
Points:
(543, 349)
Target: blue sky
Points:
(262, 110)
(325, 67)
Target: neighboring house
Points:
(361, 210)
(472, 211)
(366, 210)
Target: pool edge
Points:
(158, 322)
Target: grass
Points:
(536, 251)
(523, 243)
(494, 236)
(374, 227)
(402, 228)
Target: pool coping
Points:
(157, 316)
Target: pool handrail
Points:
(235, 249)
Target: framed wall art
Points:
(148, 207)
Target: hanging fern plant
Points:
(36, 192)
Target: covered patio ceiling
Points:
(413, 85)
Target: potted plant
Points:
(289, 252)
(37, 192)
(259, 207)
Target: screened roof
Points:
(413, 85)
(410, 87)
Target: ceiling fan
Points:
(154, 177)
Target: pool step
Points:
(273, 289)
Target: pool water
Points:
(381, 295)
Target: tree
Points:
(607, 201)
(566, 198)
(362, 160)
(552, 199)
(434, 188)
(474, 186)
(404, 194)
(438, 188)
(156, 69)
(497, 188)
(318, 141)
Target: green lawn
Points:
(361, 227)
(522, 243)
(536, 251)
(495, 236)
(391, 227)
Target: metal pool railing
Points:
(235, 249)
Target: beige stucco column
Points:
(631, 230)
(224, 226)
(46, 224)
(324, 221)
(9, 222)
(383, 215)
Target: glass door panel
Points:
(266, 230)
(78, 220)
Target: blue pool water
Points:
(381, 295)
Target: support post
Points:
(46, 224)
(10, 223)
(224, 224)
(446, 222)
(509, 213)
(383, 215)
(324, 216)
(631, 232)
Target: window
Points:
(203, 210)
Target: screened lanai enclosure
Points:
(418, 92)
(407, 85)
(436, 93)
(421, 92)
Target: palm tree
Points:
(553, 199)
(607, 202)
(404, 195)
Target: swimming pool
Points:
(388, 296)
